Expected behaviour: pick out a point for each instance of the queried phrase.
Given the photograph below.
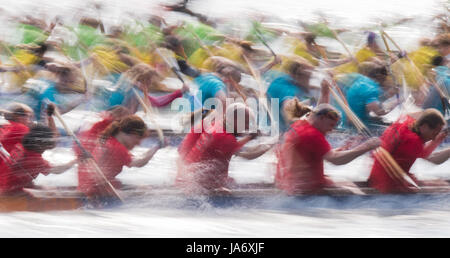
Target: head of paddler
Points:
(115, 31)
(229, 74)
(91, 22)
(39, 139)
(300, 71)
(156, 20)
(372, 41)
(117, 112)
(68, 77)
(294, 109)
(239, 119)
(377, 71)
(129, 131)
(41, 49)
(324, 118)
(437, 61)
(374, 70)
(310, 38)
(19, 113)
(143, 76)
(173, 43)
(442, 43)
(429, 124)
(224, 67)
(36, 49)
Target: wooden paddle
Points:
(11, 54)
(257, 76)
(385, 159)
(392, 167)
(148, 110)
(260, 37)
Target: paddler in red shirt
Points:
(414, 136)
(112, 153)
(90, 137)
(304, 149)
(20, 117)
(26, 161)
(205, 156)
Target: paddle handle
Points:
(350, 114)
(262, 94)
(199, 40)
(343, 44)
(259, 35)
(393, 168)
(4, 154)
(148, 111)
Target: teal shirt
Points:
(282, 88)
(209, 86)
(361, 92)
(433, 99)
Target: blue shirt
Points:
(361, 92)
(209, 86)
(433, 99)
(282, 87)
(38, 96)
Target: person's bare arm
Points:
(254, 152)
(432, 145)
(62, 168)
(276, 60)
(140, 162)
(376, 108)
(439, 157)
(341, 157)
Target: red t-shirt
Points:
(111, 157)
(21, 173)
(405, 147)
(90, 137)
(12, 134)
(205, 158)
(189, 141)
(300, 159)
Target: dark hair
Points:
(43, 47)
(431, 117)
(372, 70)
(310, 38)
(298, 69)
(131, 124)
(229, 70)
(92, 22)
(326, 110)
(39, 139)
(437, 61)
(171, 42)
